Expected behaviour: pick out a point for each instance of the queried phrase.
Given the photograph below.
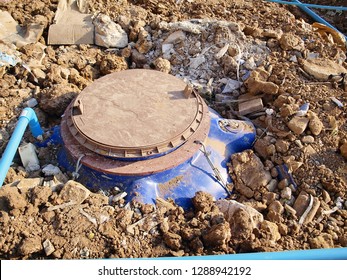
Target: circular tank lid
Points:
(135, 113)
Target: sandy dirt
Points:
(269, 47)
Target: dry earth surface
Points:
(281, 61)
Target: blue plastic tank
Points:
(149, 134)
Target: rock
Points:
(217, 236)
(50, 170)
(261, 146)
(283, 184)
(203, 201)
(48, 247)
(301, 203)
(138, 58)
(286, 193)
(28, 183)
(272, 185)
(73, 191)
(271, 230)
(144, 43)
(175, 37)
(195, 62)
(323, 241)
(108, 33)
(343, 150)
(276, 34)
(276, 206)
(40, 195)
(39, 74)
(250, 106)
(29, 157)
(322, 68)
(308, 139)
(172, 240)
(289, 41)
(13, 199)
(55, 99)
(315, 125)
(298, 124)
(282, 146)
(249, 173)
(30, 245)
(110, 63)
(162, 64)
(231, 85)
(257, 83)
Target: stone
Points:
(217, 236)
(39, 74)
(298, 124)
(13, 199)
(172, 240)
(343, 150)
(289, 41)
(315, 125)
(175, 37)
(162, 64)
(276, 34)
(288, 110)
(231, 85)
(29, 157)
(276, 206)
(286, 193)
(50, 170)
(322, 241)
(195, 62)
(301, 203)
(260, 147)
(251, 106)
(30, 245)
(272, 185)
(308, 139)
(256, 83)
(271, 230)
(28, 183)
(271, 150)
(73, 191)
(138, 58)
(108, 33)
(48, 247)
(283, 184)
(202, 201)
(282, 146)
(55, 99)
(322, 68)
(249, 172)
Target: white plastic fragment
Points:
(336, 101)
(303, 110)
(29, 158)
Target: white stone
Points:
(50, 170)
(286, 193)
(195, 62)
(108, 33)
(231, 85)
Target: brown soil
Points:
(60, 219)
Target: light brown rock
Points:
(298, 124)
(322, 68)
(343, 150)
(73, 191)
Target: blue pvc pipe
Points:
(27, 116)
(313, 254)
(315, 6)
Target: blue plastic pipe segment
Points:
(315, 6)
(27, 117)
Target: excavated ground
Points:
(264, 44)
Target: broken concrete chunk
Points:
(298, 124)
(231, 85)
(108, 33)
(50, 170)
(322, 68)
(251, 106)
(73, 191)
(195, 62)
(28, 183)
